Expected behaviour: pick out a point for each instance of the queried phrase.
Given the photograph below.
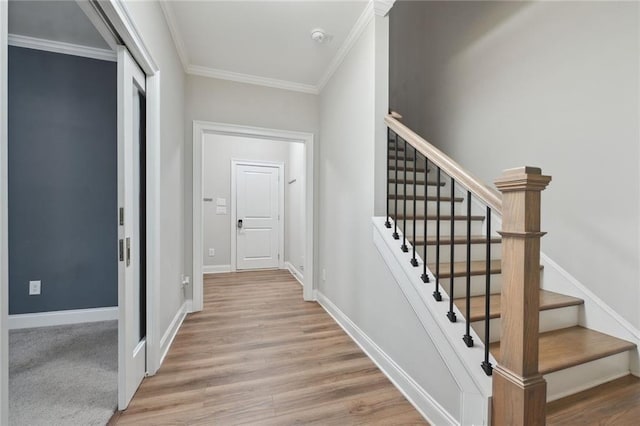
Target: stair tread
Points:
(421, 198)
(434, 217)
(418, 182)
(478, 267)
(548, 300)
(568, 347)
(475, 239)
(615, 402)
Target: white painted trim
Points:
(172, 331)
(426, 405)
(295, 272)
(355, 33)
(383, 7)
(462, 362)
(71, 316)
(96, 18)
(169, 15)
(251, 79)
(200, 128)
(4, 226)
(216, 269)
(61, 47)
(281, 210)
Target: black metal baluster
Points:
(425, 276)
(452, 315)
(468, 340)
(414, 261)
(387, 223)
(395, 191)
(436, 294)
(404, 199)
(486, 365)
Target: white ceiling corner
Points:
(198, 28)
(175, 34)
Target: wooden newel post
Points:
(519, 390)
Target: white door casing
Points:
(131, 348)
(258, 214)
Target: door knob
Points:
(239, 223)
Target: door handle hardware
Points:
(128, 251)
(239, 223)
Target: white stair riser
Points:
(460, 252)
(477, 285)
(585, 376)
(432, 206)
(551, 319)
(460, 227)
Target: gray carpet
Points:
(66, 375)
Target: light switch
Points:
(221, 210)
(221, 201)
(34, 288)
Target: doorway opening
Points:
(252, 202)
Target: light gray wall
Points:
(218, 151)
(295, 195)
(551, 84)
(357, 279)
(63, 181)
(213, 100)
(151, 24)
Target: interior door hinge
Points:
(121, 250)
(121, 216)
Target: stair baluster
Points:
(414, 261)
(468, 340)
(486, 364)
(387, 223)
(425, 276)
(452, 315)
(395, 192)
(404, 200)
(436, 294)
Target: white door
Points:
(257, 217)
(131, 281)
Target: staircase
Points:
(442, 216)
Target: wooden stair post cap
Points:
(525, 178)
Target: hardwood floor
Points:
(258, 354)
(616, 403)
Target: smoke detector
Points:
(319, 35)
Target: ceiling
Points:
(61, 21)
(263, 42)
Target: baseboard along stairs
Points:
(529, 342)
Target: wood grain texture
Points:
(478, 267)
(568, 347)
(616, 403)
(259, 354)
(446, 240)
(488, 195)
(548, 300)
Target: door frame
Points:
(123, 28)
(202, 128)
(234, 235)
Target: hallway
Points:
(259, 354)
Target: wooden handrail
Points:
(486, 194)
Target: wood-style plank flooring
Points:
(616, 403)
(258, 354)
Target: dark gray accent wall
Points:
(62, 181)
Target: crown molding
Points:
(355, 33)
(382, 7)
(61, 47)
(170, 17)
(251, 79)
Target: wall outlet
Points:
(34, 288)
(212, 252)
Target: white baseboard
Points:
(71, 316)
(295, 272)
(171, 332)
(215, 269)
(415, 394)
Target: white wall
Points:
(551, 84)
(295, 242)
(218, 151)
(357, 280)
(213, 100)
(151, 24)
